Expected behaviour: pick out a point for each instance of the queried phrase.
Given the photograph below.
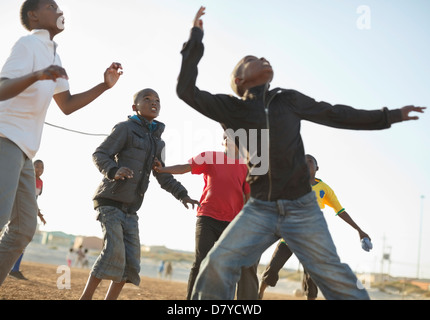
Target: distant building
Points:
(57, 238)
(90, 243)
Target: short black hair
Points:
(27, 6)
(38, 161)
(313, 158)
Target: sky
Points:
(368, 55)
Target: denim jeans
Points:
(18, 206)
(120, 257)
(208, 231)
(261, 223)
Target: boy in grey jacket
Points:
(125, 159)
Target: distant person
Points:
(224, 193)
(161, 269)
(80, 256)
(169, 270)
(29, 79)
(85, 262)
(325, 196)
(282, 203)
(38, 169)
(69, 257)
(125, 159)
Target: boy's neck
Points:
(256, 90)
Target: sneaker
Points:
(263, 286)
(18, 275)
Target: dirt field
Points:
(42, 285)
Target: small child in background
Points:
(69, 257)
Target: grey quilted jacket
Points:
(132, 144)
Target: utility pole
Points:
(419, 237)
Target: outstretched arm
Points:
(345, 217)
(69, 103)
(177, 169)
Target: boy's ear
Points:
(32, 16)
(134, 107)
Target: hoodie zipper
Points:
(266, 110)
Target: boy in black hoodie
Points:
(282, 204)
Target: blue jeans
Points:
(120, 258)
(261, 223)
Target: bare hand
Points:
(123, 173)
(112, 74)
(198, 22)
(41, 217)
(363, 234)
(157, 166)
(187, 200)
(406, 110)
(52, 73)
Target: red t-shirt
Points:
(225, 184)
(39, 187)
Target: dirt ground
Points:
(42, 285)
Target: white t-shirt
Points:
(22, 117)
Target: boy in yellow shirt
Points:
(325, 196)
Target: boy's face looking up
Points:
(251, 72)
(147, 104)
(47, 16)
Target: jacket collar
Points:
(256, 92)
(158, 127)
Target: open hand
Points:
(187, 200)
(406, 110)
(198, 22)
(112, 74)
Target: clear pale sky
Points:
(332, 50)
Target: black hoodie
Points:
(271, 120)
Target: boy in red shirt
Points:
(224, 194)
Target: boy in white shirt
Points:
(30, 78)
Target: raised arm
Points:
(215, 106)
(198, 22)
(69, 103)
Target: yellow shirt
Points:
(325, 196)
